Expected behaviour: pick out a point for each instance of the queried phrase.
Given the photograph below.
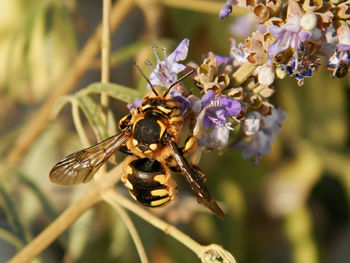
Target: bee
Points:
(150, 136)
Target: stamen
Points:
(149, 64)
(215, 103)
(154, 47)
(165, 57)
(228, 125)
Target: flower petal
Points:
(180, 53)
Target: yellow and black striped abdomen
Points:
(148, 182)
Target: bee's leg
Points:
(196, 170)
(125, 150)
(199, 172)
(124, 122)
(190, 144)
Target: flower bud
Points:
(251, 124)
(308, 21)
(280, 73)
(266, 75)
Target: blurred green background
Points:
(292, 207)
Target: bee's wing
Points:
(81, 166)
(195, 181)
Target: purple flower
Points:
(212, 113)
(166, 70)
(132, 106)
(221, 59)
(216, 139)
(258, 131)
(290, 35)
(272, 123)
(301, 68)
(185, 102)
(217, 109)
(252, 123)
(227, 8)
(243, 25)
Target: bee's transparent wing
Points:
(195, 180)
(81, 166)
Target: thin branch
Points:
(11, 238)
(81, 64)
(113, 196)
(105, 54)
(57, 227)
(131, 228)
(209, 7)
(69, 216)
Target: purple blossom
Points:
(290, 35)
(217, 109)
(272, 123)
(258, 131)
(166, 70)
(216, 139)
(221, 59)
(251, 124)
(301, 68)
(243, 25)
(227, 8)
(212, 113)
(132, 106)
(185, 102)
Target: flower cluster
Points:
(293, 36)
(223, 113)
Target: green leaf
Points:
(60, 103)
(11, 213)
(43, 199)
(116, 91)
(10, 238)
(94, 115)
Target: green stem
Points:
(11, 238)
(112, 196)
(131, 228)
(78, 124)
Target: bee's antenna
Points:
(176, 82)
(147, 79)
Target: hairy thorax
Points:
(156, 118)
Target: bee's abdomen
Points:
(148, 182)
